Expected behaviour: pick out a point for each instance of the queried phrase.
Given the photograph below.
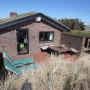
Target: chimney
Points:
(13, 14)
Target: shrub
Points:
(57, 74)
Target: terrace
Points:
(39, 58)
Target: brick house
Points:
(27, 33)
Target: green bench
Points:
(18, 66)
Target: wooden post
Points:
(2, 68)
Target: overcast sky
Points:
(54, 8)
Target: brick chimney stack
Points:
(13, 14)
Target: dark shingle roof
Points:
(8, 19)
(12, 20)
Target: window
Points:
(46, 36)
(22, 41)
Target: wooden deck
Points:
(42, 57)
(59, 49)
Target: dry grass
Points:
(55, 75)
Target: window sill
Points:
(40, 42)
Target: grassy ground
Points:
(78, 33)
(58, 74)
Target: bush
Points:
(57, 74)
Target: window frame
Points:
(46, 41)
(27, 37)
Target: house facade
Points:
(25, 34)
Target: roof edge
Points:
(15, 20)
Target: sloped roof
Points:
(22, 17)
(8, 19)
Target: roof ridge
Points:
(11, 20)
(17, 17)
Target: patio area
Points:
(38, 57)
(43, 57)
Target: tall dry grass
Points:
(57, 74)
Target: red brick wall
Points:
(8, 42)
(8, 37)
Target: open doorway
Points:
(87, 43)
(22, 41)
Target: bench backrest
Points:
(11, 67)
(8, 57)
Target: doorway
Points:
(22, 41)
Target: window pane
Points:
(46, 36)
(51, 36)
